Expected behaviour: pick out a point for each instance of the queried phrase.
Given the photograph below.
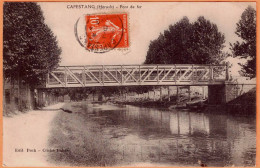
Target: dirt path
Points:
(25, 137)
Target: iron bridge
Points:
(127, 75)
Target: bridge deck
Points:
(127, 75)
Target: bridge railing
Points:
(116, 75)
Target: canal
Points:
(139, 136)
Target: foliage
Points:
(188, 43)
(77, 94)
(246, 30)
(30, 48)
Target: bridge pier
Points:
(221, 94)
(177, 95)
(203, 92)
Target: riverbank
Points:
(164, 103)
(25, 137)
(82, 139)
(244, 104)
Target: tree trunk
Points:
(153, 93)
(12, 99)
(28, 99)
(4, 100)
(19, 93)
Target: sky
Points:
(144, 24)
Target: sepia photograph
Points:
(129, 84)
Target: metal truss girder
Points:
(123, 75)
(148, 74)
(107, 70)
(181, 77)
(130, 74)
(88, 71)
(202, 75)
(166, 74)
(73, 76)
(52, 74)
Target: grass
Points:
(82, 140)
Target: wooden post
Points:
(153, 93)
(178, 122)
(169, 94)
(189, 123)
(177, 95)
(203, 91)
(189, 93)
(160, 93)
(93, 95)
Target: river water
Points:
(165, 137)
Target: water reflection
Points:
(180, 136)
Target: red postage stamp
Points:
(106, 31)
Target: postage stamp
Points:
(105, 32)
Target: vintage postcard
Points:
(129, 84)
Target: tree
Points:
(188, 43)
(246, 30)
(206, 43)
(155, 53)
(30, 48)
